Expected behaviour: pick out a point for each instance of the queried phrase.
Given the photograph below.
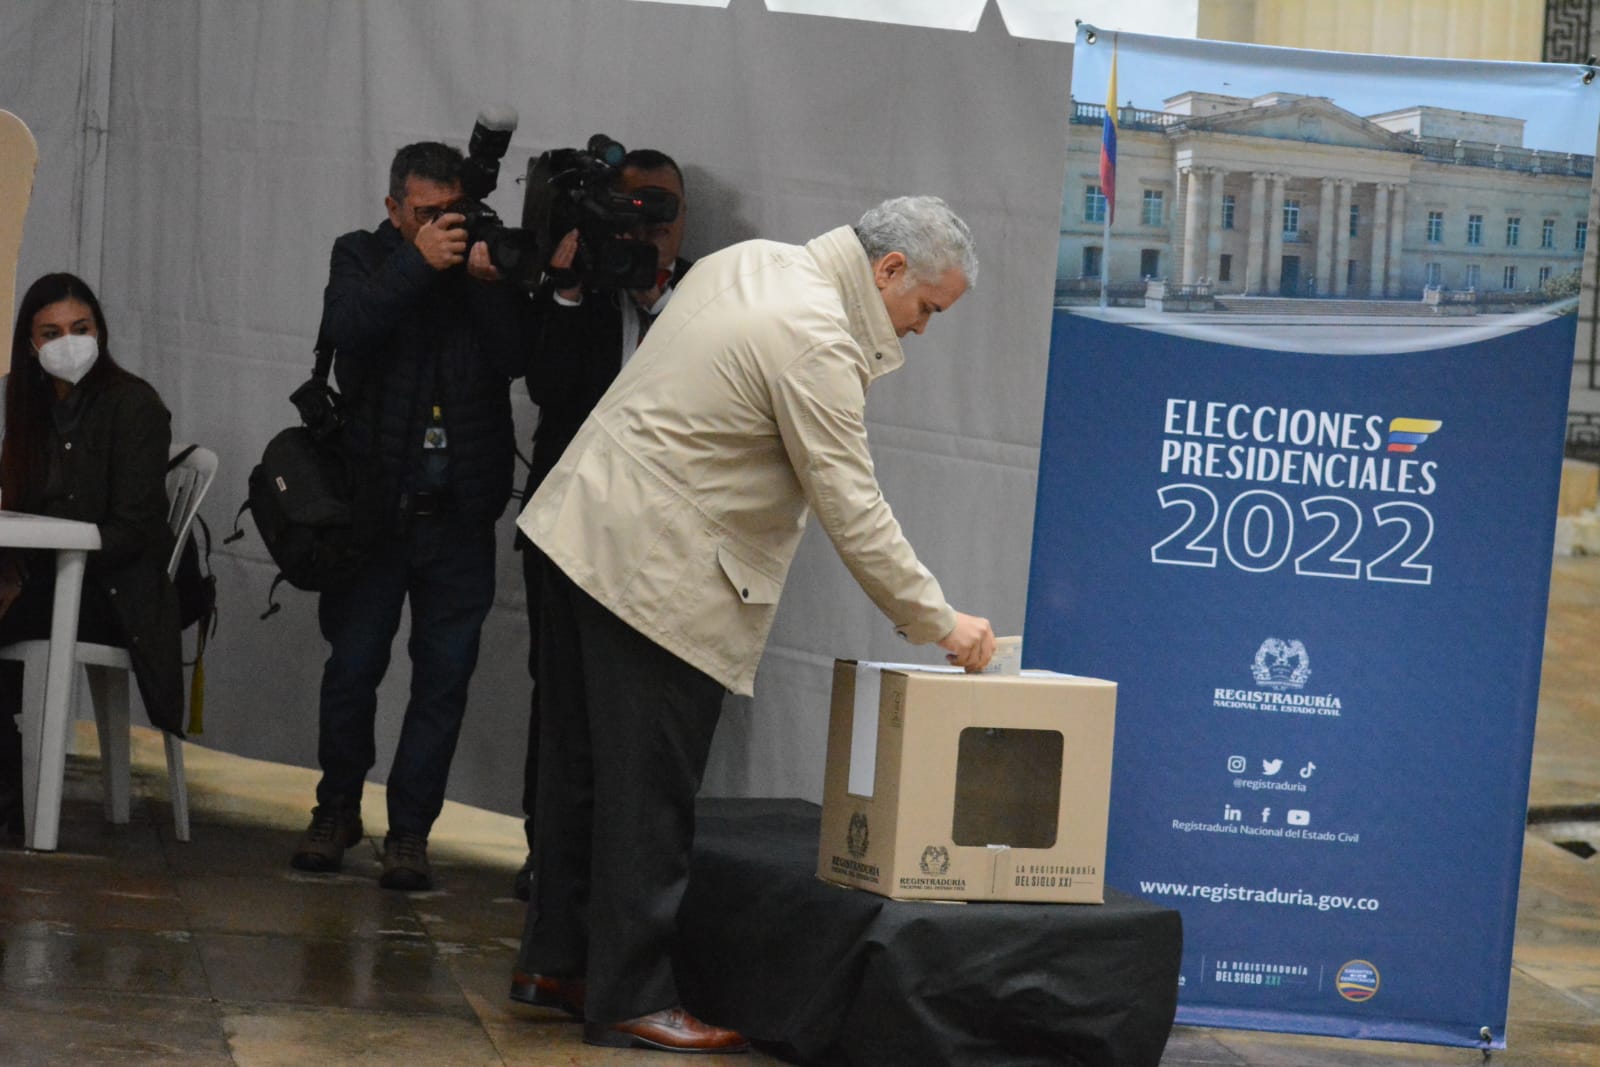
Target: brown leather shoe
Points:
(672, 1030)
(543, 991)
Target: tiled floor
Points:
(127, 947)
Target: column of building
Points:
(1254, 263)
(1325, 224)
(1213, 268)
(1397, 235)
(1194, 211)
(1274, 279)
(1341, 246)
(1380, 240)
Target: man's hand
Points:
(480, 266)
(970, 644)
(443, 242)
(561, 259)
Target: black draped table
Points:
(821, 974)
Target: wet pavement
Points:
(127, 947)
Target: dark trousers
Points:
(533, 564)
(444, 565)
(625, 730)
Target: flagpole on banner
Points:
(1108, 171)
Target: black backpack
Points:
(308, 495)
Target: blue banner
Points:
(1315, 557)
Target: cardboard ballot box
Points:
(943, 785)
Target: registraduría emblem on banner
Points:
(1280, 671)
(1281, 664)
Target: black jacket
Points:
(575, 355)
(407, 336)
(112, 467)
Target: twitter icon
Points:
(1271, 766)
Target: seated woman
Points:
(86, 440)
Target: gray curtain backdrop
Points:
(240, 139)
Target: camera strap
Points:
(324, 353)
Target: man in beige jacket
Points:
(670, 523)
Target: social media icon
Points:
(1271, 766)
(1299, 817)
(1308, 770)
(1237, 764)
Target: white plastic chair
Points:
(108, 668)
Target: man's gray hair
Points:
(924, 230)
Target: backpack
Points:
(308, 494)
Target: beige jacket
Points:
(680, 503)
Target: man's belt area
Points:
(418, 505)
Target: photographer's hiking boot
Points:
(333, 829)
(405, 862)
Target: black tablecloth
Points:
(827, 975)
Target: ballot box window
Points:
(1008, 787)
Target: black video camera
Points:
(574, 189)
(567, 189)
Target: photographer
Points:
(427, 341)
(582, 337)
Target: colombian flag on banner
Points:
(1108, 143)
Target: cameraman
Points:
(426, 344)
(581, 340)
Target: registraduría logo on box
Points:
(1281, 668)
(856, 836)
(855, 842)
(935, 864)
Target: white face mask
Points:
(69, 357)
